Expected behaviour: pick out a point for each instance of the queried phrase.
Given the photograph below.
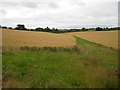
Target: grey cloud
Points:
(3, 12)
(79, 3)
(29, 4)
(9, 4)
(53, 5)
(102, 10)
(19, 4)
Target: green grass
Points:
(93, 67)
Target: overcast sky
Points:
(59, 13)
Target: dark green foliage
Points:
(31, 29)
(84, 29)
(4, 27)
(39, 29)
(20, 27)
(47, 29)
(55, 30)
(52, 49)
(10, 28)
(99, 29)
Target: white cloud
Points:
(60, 13)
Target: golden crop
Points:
(105, 38)
(17, 39)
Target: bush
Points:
(99, 29)
(20, 27)
(10, 28)
(4, 27)
(52, 49)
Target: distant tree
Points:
(99, 29)
(31, 29)
(53, 29)
(10, 28)
(20, 27)
(83, 29)
(39, 29)
(4, 27)
(56, 30)
(91, 29)
(107, 28)
(71, 30)
(47, 29)
(118, 28)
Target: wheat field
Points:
(105, 38)
(16, 39)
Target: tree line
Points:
(55, 30)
